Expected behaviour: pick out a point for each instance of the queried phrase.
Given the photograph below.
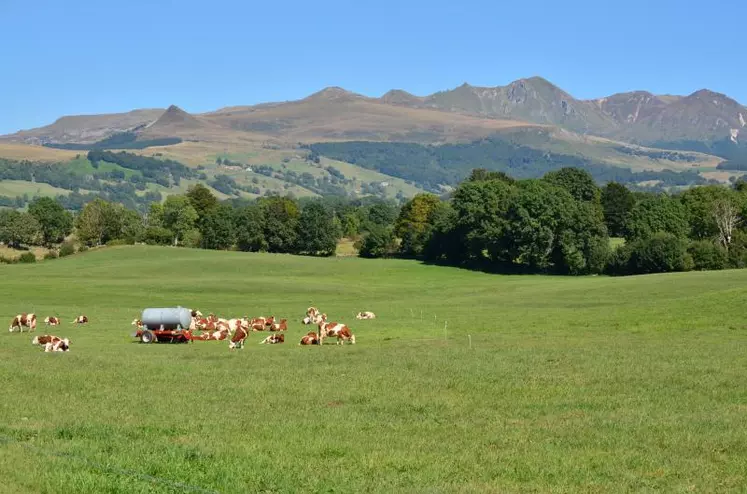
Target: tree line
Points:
(560, 224)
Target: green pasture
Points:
(465, 382)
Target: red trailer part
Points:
(163, 336)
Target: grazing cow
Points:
(366, 315)
(238, 338)
(23, 321)
(52, 343)
(311, 338)
(279, 326)
(52, 321)
(273, 339)
(332, 329)
(80, 320)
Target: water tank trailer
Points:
(165, 324)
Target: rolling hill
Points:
(268, 144)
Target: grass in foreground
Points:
(571, 384)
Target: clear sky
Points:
(98, 56)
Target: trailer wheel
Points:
(147, 337)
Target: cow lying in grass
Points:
(81, 320)
(366, 315)
(311, 338)
(273, 339)
(52, 343)
(52, 321)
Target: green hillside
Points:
(568, 385)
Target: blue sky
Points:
(92, 56)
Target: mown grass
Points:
(571, 384)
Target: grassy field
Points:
(570, 384)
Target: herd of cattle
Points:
(49, 342)
(214, 328)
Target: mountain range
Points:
(636, 130)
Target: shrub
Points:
(67, 249)
(379, 242)
(118, 241)
(50, 255)
(156, 235)
(660, 253)
(83, 248)
(27, 258)
(618, 262)
(708, 256)
(7, 260)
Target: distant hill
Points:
(276, 147)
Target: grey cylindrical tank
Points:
(169, 318)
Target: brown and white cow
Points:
(196, 313)
(238, 338)
(312, 316)
(311, 338)
(366, 315)
(138, 323)
(23, 321)
(334, 329)
(273, 339)
(261, 323)
(81, 320)
(236, 324)
(52, 321)
(52, 343)
(279, 326)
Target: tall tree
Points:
(578, 182)
(249, 226)
(18, 228)
(217, 228)
(318, 232)
(55, 222)
(414, 223)
(617, 203)
(92, 222)
(655, 214)
(280, 225)
(178, 216)
(202, 200)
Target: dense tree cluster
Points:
(560, 223)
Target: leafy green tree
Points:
(154, 218)
(249, 225)
(617, 203)
(578, 182)
(92, 224)
(317, 232)
(483, 175)
(657, 214)
(481, 208)
(378, 242)
(702, 205)
(280, 225)
(157, 235)
(445, 240)
(18, 228)
(217, 228)
(662, 252)
(55, 222)
(178, 216)
(202, 200)
(381, 213)
(414, 225)
(707, 255)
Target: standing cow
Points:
(23, 321)
(334, 329)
